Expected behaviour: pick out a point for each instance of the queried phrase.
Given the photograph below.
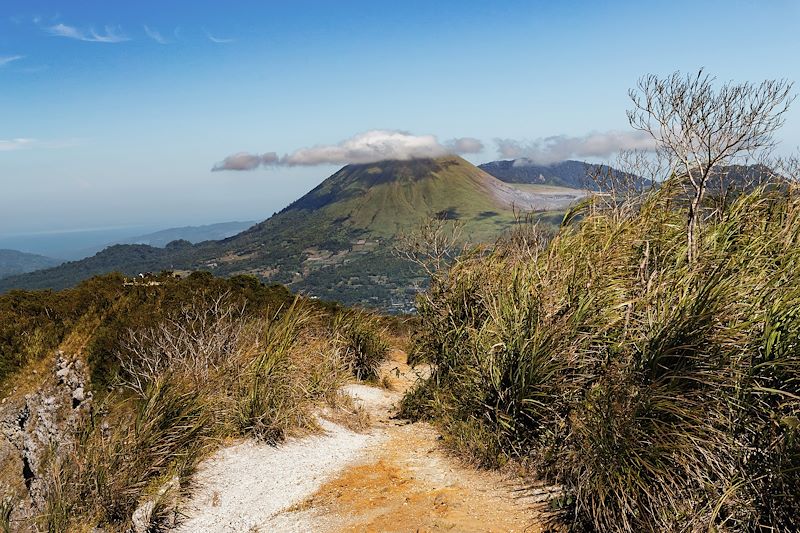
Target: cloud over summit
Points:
(547, 150)
(378, 145)
(367, 147)
(245, 161)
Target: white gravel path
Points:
(371, 398)
(244, 487)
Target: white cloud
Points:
(16, 144)
(21, 143)
(112, 34)
(367, 147)
(5, 60)
(155, 35)
(562, 147)
(218, 40)
(245, 161)
(465, 145)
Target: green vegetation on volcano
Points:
(336, 241)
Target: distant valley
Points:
(14, 262)
(336, 241)
(79, 244)
(193, 234)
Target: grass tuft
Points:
(362, 338)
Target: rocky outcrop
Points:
(159, 511)
(41, 426)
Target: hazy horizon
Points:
(116, 115)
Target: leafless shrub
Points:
(197, 342)
(526, 238)
(432, 245)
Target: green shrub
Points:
(661, 396)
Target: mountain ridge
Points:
(193, 234)
(14, 262)
(570, 173)
(335, 241)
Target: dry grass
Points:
(205, 374)
(363, 341)
(662, 396)
(345, 411)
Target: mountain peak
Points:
(358, 179)
(400, 169)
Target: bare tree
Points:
(622, 186)
(703, 128)
(432, 245)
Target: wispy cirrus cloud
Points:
(25, 143)
(547, 150)
(112, 34)
(9, 145)
(367, 147)
(218, 40)
(5, 60)
(155, 35)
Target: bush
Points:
(363, 341)
(661, 396)
(99, 312)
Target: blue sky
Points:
(114, 113)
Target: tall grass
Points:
(363, 340)
(661, 396)
(207, 373)
(6, 508)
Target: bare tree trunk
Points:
(690, 235)
(693, 225)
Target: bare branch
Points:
(432, 245)
(702, 128)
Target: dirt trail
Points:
(396, 478)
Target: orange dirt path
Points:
(409, 483)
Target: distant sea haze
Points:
(76, 244)
(70, 245)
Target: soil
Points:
(399, 479)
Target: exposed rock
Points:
(77, 396)
(61, 374)
(142, 516)
(42, 425)
(159, 510)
